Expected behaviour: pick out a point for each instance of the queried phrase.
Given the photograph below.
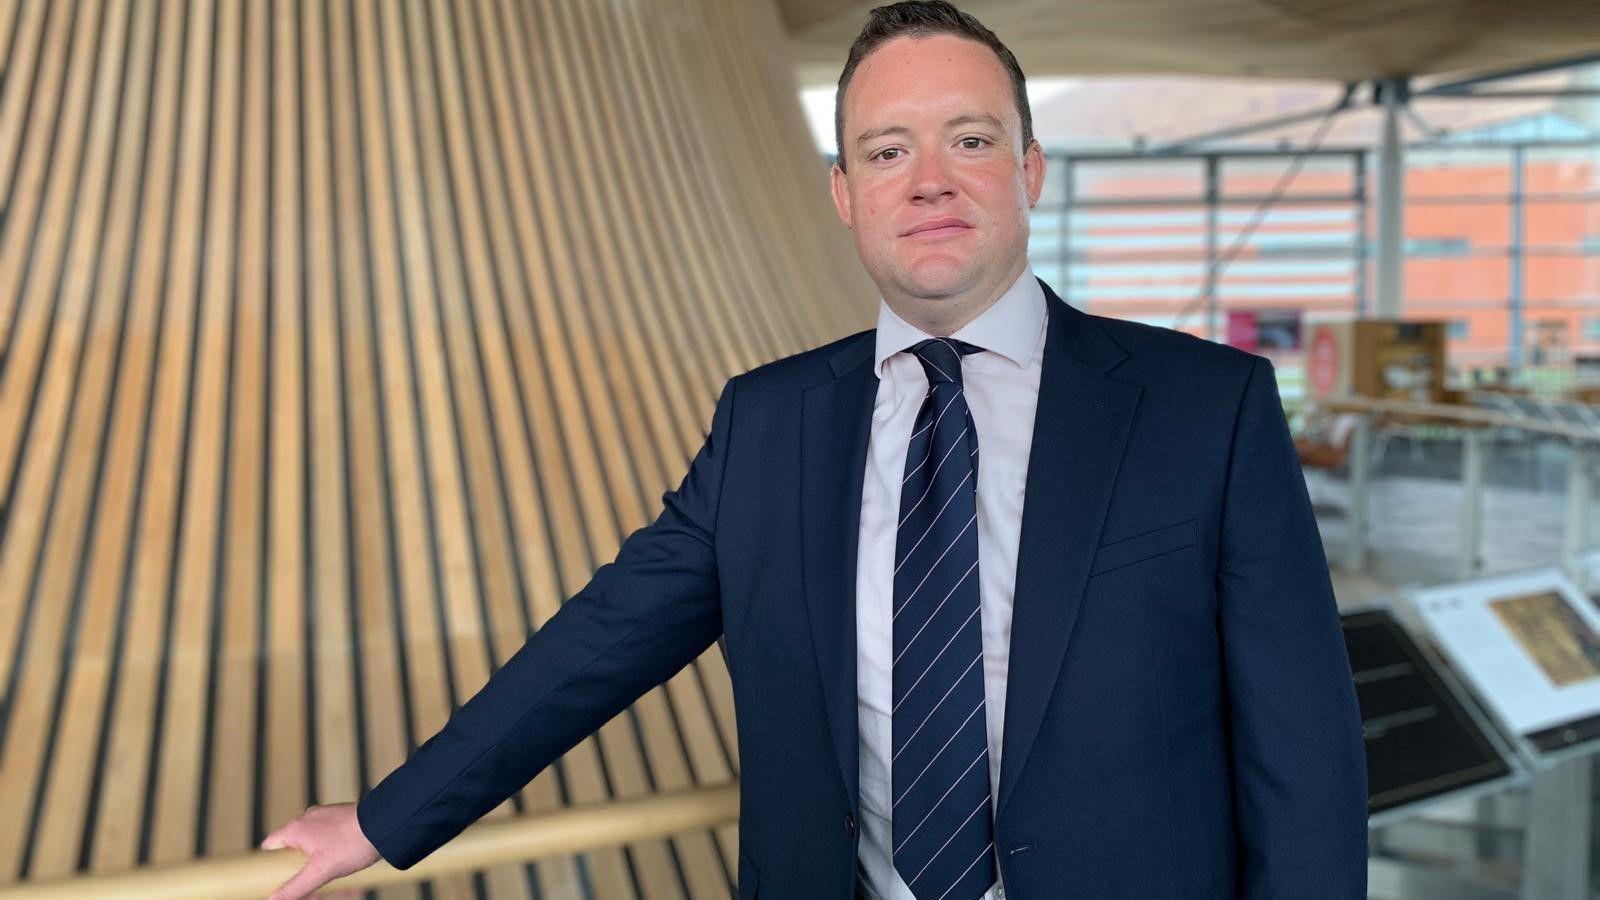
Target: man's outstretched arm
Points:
(1300, 785)
(639, 620)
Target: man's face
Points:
(932, 134)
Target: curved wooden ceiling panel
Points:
(1345, 40)
(340, 342)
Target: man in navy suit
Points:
(1016, 600)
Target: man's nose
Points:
(931, 178)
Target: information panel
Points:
(1529, 644)
(1422, 743)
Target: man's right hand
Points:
(334, 846)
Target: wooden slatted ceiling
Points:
(340, 342)
(1337, 40)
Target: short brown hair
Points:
(921, 18)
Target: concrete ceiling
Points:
(1342, 40)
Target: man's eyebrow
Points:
(872, 134)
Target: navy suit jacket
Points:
(1180, 718)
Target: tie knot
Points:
(941, 358)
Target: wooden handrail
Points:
(257, 874)
(1466, 415)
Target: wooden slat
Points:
(663, 453)
(24, 30)
(457, 438)
(40, 567)
(182, 727)
(226, 767)
(9, 10)
(25, 342)
(120, 377)
(336, 671)
(287, 763)
(167, 288)
(31, 253)
(385, 717)
(505, 466)
(85, 348)
(339, 344)
(426, 656)
(599, 460)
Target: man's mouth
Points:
(933, 229)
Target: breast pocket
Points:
(1157, 542)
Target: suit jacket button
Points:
(849, 825)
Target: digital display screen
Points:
(1421, 743)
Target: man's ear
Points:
(1033, 171)
(840, 189)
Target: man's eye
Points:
(979, 140)
(884, 153)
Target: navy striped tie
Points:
(942, 820)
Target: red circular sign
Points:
(1324, 362)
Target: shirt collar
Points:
(1009, 327)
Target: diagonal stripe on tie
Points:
(942, 820)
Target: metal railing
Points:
(1476, 427)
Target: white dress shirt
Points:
(1001, 386)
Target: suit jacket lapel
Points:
(1080, 430)
(836, 424)
(1079, 433)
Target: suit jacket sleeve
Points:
(1300, 784)
(638, 621)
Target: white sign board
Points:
(1529, 644)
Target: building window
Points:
(1458, 329)
(1438, 246)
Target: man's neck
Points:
(945, 316)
